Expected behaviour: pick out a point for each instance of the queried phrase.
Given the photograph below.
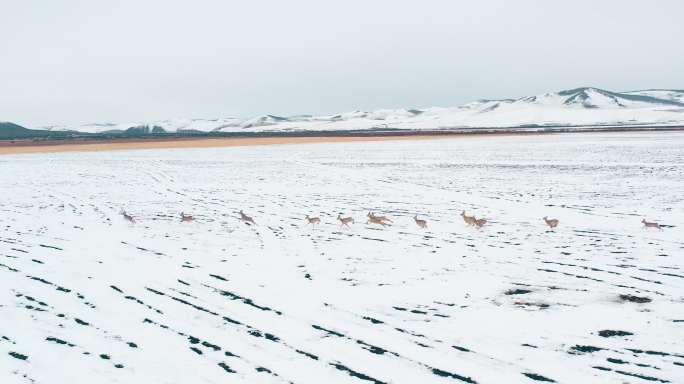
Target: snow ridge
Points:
(585, 106)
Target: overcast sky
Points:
(73, 62)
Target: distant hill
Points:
(14, 131)
(585, 106)
(11, 130)
(578, 107)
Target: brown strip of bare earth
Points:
(19, 146)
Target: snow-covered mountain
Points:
(171, 125)
(575, 107)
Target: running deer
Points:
(248, 220)
(345, 221)
(470, 220)
(186, 218)
(480, 222)
(421, 223)
(313, 220)
(127, 217)
(552, 223)
(383, 218)
(372, 219)
(651, 225)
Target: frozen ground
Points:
(86, 297)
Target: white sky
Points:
(73, 62)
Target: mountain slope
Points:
(576, 107)
(586, 106)
(13, 131)
(665, 94)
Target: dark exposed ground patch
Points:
(372, 348)
(318, 327)
(271, 337)
(611, 333)
(81, 322)
(197, 307)
(29, 298)
(635, 299)
(532, 304)
(51, 247)
(570, 274)
(517, 291)
(372, 320)
(671, 274)
(116, 288)
(155, 291)
(17, 355)
(232, 321)
(371, 238)
(307, 354)
(218, 277)
(616, 361)
(59, 341)
(456, 376)
(579, 349)
(40, 279)
(245, 300)
(358, 375)
(226, 367)
(265, 335)
(410, 332)
(640, 376)
(656, 353)
(537, 377)
(9, 268)
(461, 348)
(212, 346)
(133, 298)
(263, 369)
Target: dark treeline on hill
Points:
(142, 130)
(11, 131)
(14, 131)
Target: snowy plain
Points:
(86, 297)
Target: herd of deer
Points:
(382, 220)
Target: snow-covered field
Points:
(86, 297)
